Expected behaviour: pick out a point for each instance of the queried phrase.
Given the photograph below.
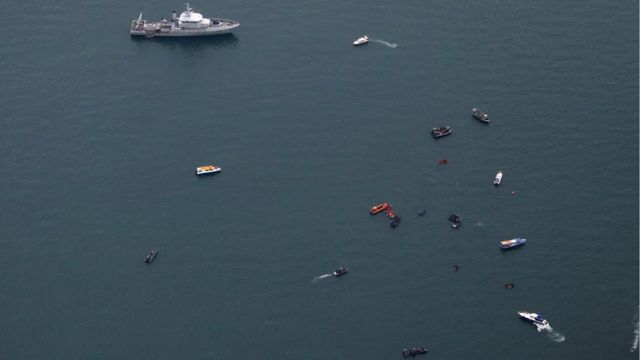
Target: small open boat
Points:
(414, 351)
(455, 221)
(480, 115)
(513, 243)
(378, 208)
(498, 179)
(361, 40)
(341, 271)
(151, 256)
(207, 170)
(441, 131)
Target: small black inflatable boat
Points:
(455, 221)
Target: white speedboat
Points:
(498, 178)
(533, 317)
(361, 41)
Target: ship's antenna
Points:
(139, 20)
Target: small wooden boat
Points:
(378, 208)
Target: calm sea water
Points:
(101, 133)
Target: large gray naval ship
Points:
(189, 23)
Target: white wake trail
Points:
(636, 334)
(555, 336)
(391, 45)
(318, 278)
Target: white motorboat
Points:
(533, 317)
(207, 170)
(513, 243)
(498, 178)
(361, 41)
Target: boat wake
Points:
(554, 335)
(318, 278)
(391, 45)
(636, 332)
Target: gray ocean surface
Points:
(101, 134)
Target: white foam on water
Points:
(391, 45)
(636, 333)
(318, 278)
(555, 336)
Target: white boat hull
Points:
(533, 317)
(361, 41)
(498, 179)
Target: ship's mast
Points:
(188, 9)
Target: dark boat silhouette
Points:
(414, 351)
(151, 256)
(341, 271)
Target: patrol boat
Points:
(189, 23)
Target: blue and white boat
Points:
(533, 317)
(513, 243)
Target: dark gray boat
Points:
(151, 256)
